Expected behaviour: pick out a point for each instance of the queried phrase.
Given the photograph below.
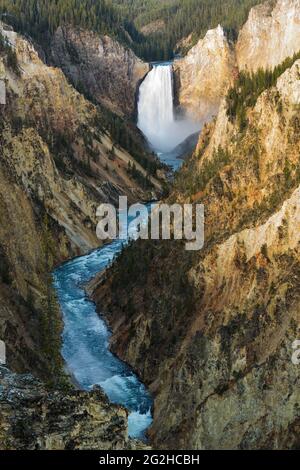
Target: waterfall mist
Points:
(156, 117)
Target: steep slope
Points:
(203, 76)
(270, 35)
(99, 66)
(214, 343)
(58, 163)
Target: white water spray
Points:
(156, 117)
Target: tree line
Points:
(123, 20)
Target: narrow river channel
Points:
(86, 335)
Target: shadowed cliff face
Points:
(57, 164)
(214, 344)
(99, 66)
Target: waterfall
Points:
(155, 107)
(156, 116)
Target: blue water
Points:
(86, 336)
(86, 339)
(171, 159)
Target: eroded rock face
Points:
(58, 163)
(204, 75)
(271, 34)
(100, 66)
(34, 419)
(215, 343)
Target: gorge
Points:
(86, 339)
(86, 336)
(219, 331)
(127, 346)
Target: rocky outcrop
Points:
(204, 74)
(184, 44)
(99, 66)
(33, 418)
(215, 342)
(271, 34)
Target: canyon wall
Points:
(58, 163)
(203, 76)
(99, 66)
(271, 34)
(215, 342)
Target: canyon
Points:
(214, 344)
(209, 333)
(59, 161)
(204, 75)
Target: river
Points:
(86, 339)
(85, 335)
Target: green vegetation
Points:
(191, 180)
(50, 320)
(9, 55)
(146, 266)
(123, 20)
(143, 181)
(181, 18)
(212, 167)
(249, 86)
(123, 132)
(130, 265)
(40, 18)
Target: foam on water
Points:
(156, 116)
(86, 339)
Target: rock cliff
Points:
(204, 74)
(215, 342)
(270, 35)
(99, 66)
(34, 419)
(58, 163)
